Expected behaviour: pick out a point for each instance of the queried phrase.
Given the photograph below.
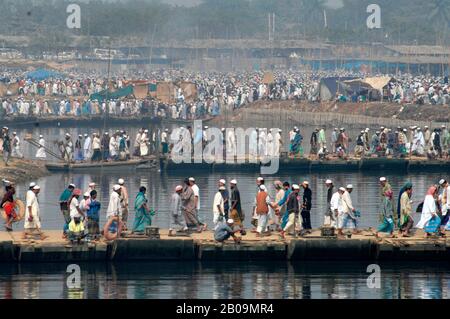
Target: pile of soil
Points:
(428, 113)
(21, 170)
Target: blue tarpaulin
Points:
(43, 74)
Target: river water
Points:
(221, 280)
(194, 280)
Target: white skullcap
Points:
(191, 179)
(230, 221)
(295, 186)
(260, 179)
(178, 188)
(350, 186)
(328, 181)
(72, 185)
(121, 181)
(40, 136)
(342, 189)
(32, 184)
(222, 181)
(442, 181)
(86, 194)
(92, 184)
(233, 181)
(306, 182)
(382, 179)
(116, 187)
(263, 188)
(36, 187)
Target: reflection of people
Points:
(224, 231)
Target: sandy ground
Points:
(55, 238)
(19, 170)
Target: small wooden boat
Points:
(78, 167)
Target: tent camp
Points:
(42, 74)
(105, 94)
(329, 87)
(372, 87)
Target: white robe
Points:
(41, 152)
(429, 209)
(262, 144)
(87, 148)
(32, 201)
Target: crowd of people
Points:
(402, 142)
(70, 96)
(118, 145)
(286, 212)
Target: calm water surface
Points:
(226, 281)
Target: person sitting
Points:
(76, 230)
(224, 231)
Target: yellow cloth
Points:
(76, 228)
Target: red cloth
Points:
(9, 209)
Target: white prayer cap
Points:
(32, 184)
(146, 131)
(442, 181)
(222, 181)
(362, 131)
(67, 134)
(306, 183)
(121, 181)
(116, 187)
(383, 179)
(405, 130)
(295, 186)
(233, 181)
(328, 181)
(14, 133)
(87, 194)
(443, 126)
(191, 179)
(222, 188)
(80, 135)
(85, 135)
(426, 126)
(230, 221)
(260, 179)
(280, 131)
(263, 188)
(92, 184)
(72, 185)
(206, 127)
(342, 189)
(349, 186)
(40, 136)
(36, 187)
(178, 188)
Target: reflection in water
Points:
(193, 280)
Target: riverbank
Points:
(22, 170)
(203, 247)
(287, 114)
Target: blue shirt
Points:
(94, 209)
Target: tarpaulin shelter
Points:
(105, 94)
(329, 87)
(42, 74)
(268, 78)
(140, 91)
(189, 91)
(166, 92)
(373, 86)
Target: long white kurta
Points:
(114, 205)
(32, 201)
(87, 148)
(429, 209)
(41, 152)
